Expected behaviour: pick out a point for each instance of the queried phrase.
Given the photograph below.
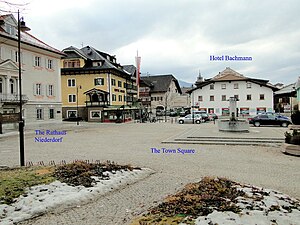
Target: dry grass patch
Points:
(196, 199)
(13, 182)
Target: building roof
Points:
(26, 38)
(231, 75)
(90, 55)
(95, 91)
(130, 69)
(287, 89)
(161, 83)
(297, 86)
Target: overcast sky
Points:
(178, 36)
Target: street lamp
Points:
(21, 25)
(77, 103)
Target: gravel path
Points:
(132, 143)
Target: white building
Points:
(41, 85)
(211, 95)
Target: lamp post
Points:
(77, 120)
(21, 24)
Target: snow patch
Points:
(42, 198)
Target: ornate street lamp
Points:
(21, 25)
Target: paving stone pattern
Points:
(131, 143)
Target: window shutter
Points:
(42, 90)
(34, 91)
(47, 89)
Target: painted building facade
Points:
(94, 86)
(212, 95)
(159, 92)
(41, 86)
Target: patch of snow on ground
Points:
(260, 206)
(42, 198)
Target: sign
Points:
(244, 111)
(225, 111)
(9, 118)
(287, 108)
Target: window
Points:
(236, 97)
(236, 86)
(71, 82)
(72, 113)
(114, 97)
(51, 113)
(16, 56)
(120, 98)
(50, 64)
(50, 90)
(248, 85)
(10, 29)
(72, 98)
(248, 97)
(125, 85)
(113, 82)
(96, 114)
(261, 97)
(223, 86)
(223, 97)
(39, 114)
(38, 89)
(37, 61)
(11, 84)
(211, 98)
(1, 86)
(119, 83)
(212, 87)
(71, 64)
(99, 81)
(200, 98)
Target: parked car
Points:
(189, 119)
(204, 115)
(212, 116)
(173, 113)
(265, 119)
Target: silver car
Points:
(189, 119)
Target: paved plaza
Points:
(141, 144)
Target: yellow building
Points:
(95, 87)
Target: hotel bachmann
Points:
(212, 95)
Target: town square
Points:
(140, 112)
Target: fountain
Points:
(233, 124)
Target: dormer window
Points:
(10, 29)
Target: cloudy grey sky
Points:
(178, 36)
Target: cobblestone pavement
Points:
(132, 143)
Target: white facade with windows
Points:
(212, 95)
(41, 85)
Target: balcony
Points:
(95, 104)
(96, 97)
(131, 89)
(12, 98)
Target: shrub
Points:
(292, 138)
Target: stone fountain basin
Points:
(233, 126)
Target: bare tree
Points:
(12, 6)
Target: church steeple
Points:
(199, 79)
